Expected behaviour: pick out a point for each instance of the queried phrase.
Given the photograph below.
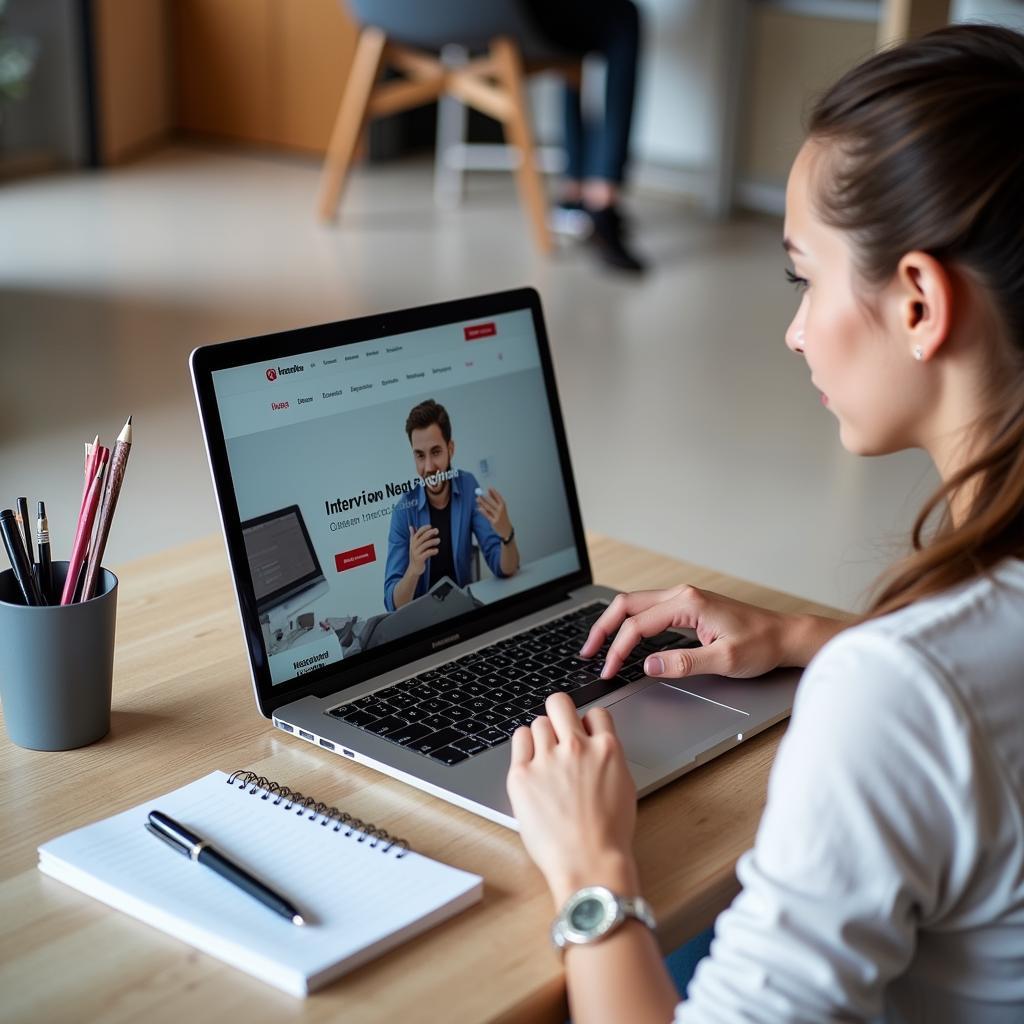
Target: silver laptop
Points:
(408, 554)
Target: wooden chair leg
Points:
(509, 70)
(350, 119)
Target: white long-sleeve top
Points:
(887, 877)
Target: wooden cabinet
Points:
(269, 72)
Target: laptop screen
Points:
(386, 487)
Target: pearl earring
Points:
(918, 353)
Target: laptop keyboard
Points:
(476, 702)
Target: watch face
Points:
(587, 915)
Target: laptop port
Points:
(283, 725)
(327, 743)
(307, 735)
(347, 753)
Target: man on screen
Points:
(432, 527)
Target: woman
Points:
(887, 877)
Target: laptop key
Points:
(416, 713)
(505, 710)
(490, 717)
(499, 695)
(385, 725)
(407, 734)
(436, 722)
(631, 673)
(476, 688)
(491, 679)
(424, 691)
(401, 701)
(435, 741)
(435, 705)
(379, 708)
(357, 717)
(595, 690)
(449, 755)
(477, 704)
(492, 736)
(470, 745)
(469, 726)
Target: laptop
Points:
(408, 554)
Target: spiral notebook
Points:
(361, 890)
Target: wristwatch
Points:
(594, 912)
(508, 539)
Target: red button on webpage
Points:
(357, 556)
(475, 331)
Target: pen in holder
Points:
(56, 665)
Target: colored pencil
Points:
(82, 536)
(115, 477)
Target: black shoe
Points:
(609, 240)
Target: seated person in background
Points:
(431, 528)
(596, 152)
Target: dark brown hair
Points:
(925, 154)
(425, 414)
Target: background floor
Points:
(693, 430)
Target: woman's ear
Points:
(924, 302)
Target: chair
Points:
(406, 35)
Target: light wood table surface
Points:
(183, 706)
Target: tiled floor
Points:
(692, 429)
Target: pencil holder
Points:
(56, 665)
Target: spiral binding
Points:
(293, 798)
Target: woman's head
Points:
(905, 215)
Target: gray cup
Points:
(57, 664)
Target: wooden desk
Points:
(183, 706)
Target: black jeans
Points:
(611, 28)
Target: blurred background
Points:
(163, 184)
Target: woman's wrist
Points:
(614, 870)
(806, 635)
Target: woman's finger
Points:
(542, 735)
(620, 608)
(648, 622)
(597, 721)
(564, 720)
(522, 745)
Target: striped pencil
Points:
(115, 476)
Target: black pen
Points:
(43, 549)
(26, 526)
(21, 562)
(200, 851)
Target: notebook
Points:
(361, 891)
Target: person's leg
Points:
(574, 142)
(620, 35)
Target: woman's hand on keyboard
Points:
(738, 639)
(574, 799)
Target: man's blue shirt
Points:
(467, 521)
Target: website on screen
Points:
(387, 486)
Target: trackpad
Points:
(660, 723)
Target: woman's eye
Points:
(800, 282)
